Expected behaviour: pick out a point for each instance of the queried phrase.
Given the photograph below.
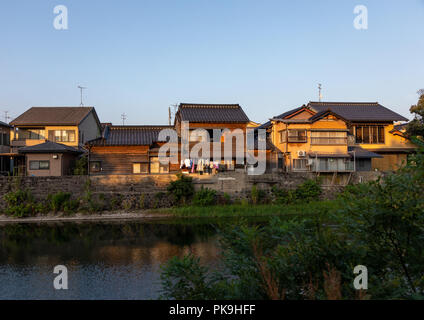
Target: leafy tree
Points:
(416, 126)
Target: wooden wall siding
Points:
(117, 163)
(389, 162)
(120, 150)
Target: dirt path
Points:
(86, 217)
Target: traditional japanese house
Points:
(339, 137)
(123, 150)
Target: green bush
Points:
(58, 201)
(182, 189)
(310, 190)
(257, 195)
(205, 197)
(21, 204)
(281, 196)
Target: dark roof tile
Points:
(358, 111)
(49, 147)
(212, 113)
(52, 116)
(129, 135)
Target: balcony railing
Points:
(297, 139)
(329, 141)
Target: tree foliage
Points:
(416, 126)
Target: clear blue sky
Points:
(139, 57)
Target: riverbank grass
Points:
(248, 210)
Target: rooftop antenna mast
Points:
(123, 117)
(6, 116)
(81, 88)
(319, 90)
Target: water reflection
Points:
(104, 260)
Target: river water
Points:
(115, 260)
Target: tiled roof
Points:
(53, 116)
(3, 124)
(362, 153)
(49, 147)
(358, 111)
(212, 113)
(281, 116)
(129, 135)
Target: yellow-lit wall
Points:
(390, 141)
(30, 142)
(329, 122)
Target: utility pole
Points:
(81, 88)
(319, 92)
(169, 115)
(123, 117)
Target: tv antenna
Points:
(6, 116)
(123, 117)
(81, 88)
(319, 92)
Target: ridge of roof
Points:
(53, 115)
(207, 105)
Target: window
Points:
(329, 137)
(299, 164)
(140, 168)
(157, 167)
(30, 134)
(39, 165)
(369, 134)
(4, 139)
(62, 136)
(282, 135)
(297, 135)
(95, 166)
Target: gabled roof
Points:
(41, 116)
(50, 147)
(212, 113)
(281, 116)
(129, 135)
(358, 111)
(324, 113)
(3, 124)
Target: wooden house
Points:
(339, 137)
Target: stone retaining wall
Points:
(236, 184)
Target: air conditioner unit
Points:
(301, 153)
